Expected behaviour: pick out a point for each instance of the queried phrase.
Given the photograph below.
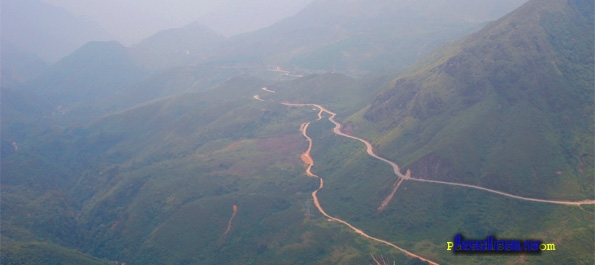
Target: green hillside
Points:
(508, 108)
(156, 183)
(172, 81)
(44, 253)
(201, 165)
(422, 217)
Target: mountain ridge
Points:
(156, 179)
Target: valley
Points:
(403, 123)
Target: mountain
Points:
(233, 17)
(177, 47)
(46, 31)
(509, 107)
(18, 66)
(92, 72)
(170, 82)
(356, 36)
(191, 175)
(24, 115)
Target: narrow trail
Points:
(306, 157)
(267, 90)
(370, 150)
(390, 196)
(235, 210)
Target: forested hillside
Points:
(317, 140)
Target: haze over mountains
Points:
(131, 21)
(44, 30)
(233, 17)
(177, 150)
(35, 34)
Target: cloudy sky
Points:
(133, 20)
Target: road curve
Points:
(337, 130)
(308, 160)
(370, 150)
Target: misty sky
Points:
(130, 21)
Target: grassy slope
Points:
(509, 107)
(337, 92)
(423, 217)
(241, 152)
(44, 253)
(156, 183)
(490, 111)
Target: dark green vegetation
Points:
(156, 184)
(146, 169)
(44, 253)
(509, 107)
(423, 217)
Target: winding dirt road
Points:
(308, 160)
(337, 130)
(370, 150)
